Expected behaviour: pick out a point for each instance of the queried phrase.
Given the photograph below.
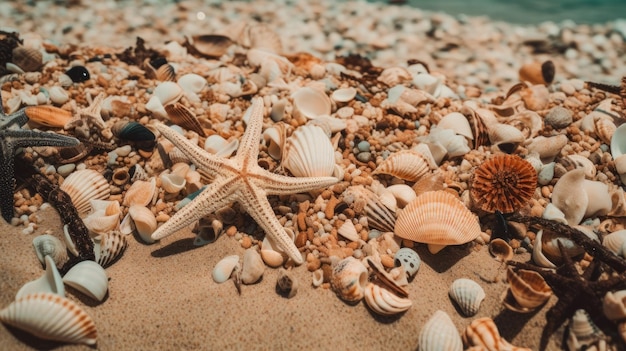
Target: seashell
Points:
(620, 167)
(165, 73)
(274, 138)
(211, 45)
(155, 106)
(504, 183)
(392, 76)
(310, 103)
(505, 137)
(48, 245)
(144, 220)
(604, 129)
(121, 176)
(429, 182)
(467, 294)
(192, 83)
(405, 164)
(224, 268)
(219, 146)
(209, 229)
(479, 127)
(49, 282)
(501, 250)
(537, 73)
(343, 94)
(349, 279)
(559, 117)
(133, 131)
(309, 153)
(578, 161)
(253, 267)
(27, 58)
(140, 193)
(58, 95)
(348, 231)
(104, 218)
(599, 198)
(271, 254)
(402, 193)
(41, 314)
(329, 124)
(261, 36)
(439, 333)
(48, 116)
(109, 247)
(182, 116)
(582, 332)
(85, 185)
(317, 278)
(538, 256)
(168, 92)
(483, 333)
(405, 100)
(286, 284)
(566, 196)
(89, 278)
(172, 183)
(614, 305)
(616, 242)
(69, 244)
(409, 259)
(454, 145)
(137, 173)
(528, 288)
(458, 123)
(547, 148)
(618, 142)
(272, 66)
(535, 97)
(384, 302)
(364, 200)
(437, 218)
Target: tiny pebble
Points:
(363, 146)
(66, 169)
(364, 156)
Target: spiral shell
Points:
(439, 333)
(48, 245)
(89, 278)
(467, 294)
(349, 279)
(85, 185)
(528, 288)
(41, 314)
(309, 153)
(384, 302)
(405, 164)
(109, 247)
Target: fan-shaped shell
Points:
(48, 115)
(348, 231)
(616, 242)
(309, 153)
(467, 294)
(48, 245)
(405, 164)
(311, 103)
(49, 282)
(109, 247)
(89, 278)
(349, 279)
(52, 317)
(437, 218)
(182, 116)
(528, 288)
(483, 333)
(439, 333)
(85, 185)
(384, 302)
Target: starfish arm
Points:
(6, 183)
(18, 118)
(257, 206)
(22, 138)
(276, 184)
(209, 163)
(215, 196)
(249, 143)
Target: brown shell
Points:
(504, 183)
(211, 45)
(181, 115)
(405, 164)
(48, 116)
(165, 72)
(437, 218)
(537, 73)
(483, 334)
(528, 288)
(28, 59)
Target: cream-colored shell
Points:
(439, 333)
(467, 294)
(168, 92)
(309, 103)
(253, 267)
(403, 194)
(405, 164)
(219, 146)
(528, 288)
(343, 94)
(85, 185)
(384, 302)
(140, 193)
(48, 245)
(145, 222)
(108, 247)
(616, 242)
(309, 153)
(505, 137)
(104, 218)
(405, 100)
(599, 198)
(392, 76)
(366, 202)
(583, 332)
(618, 142)
(271, 254)
(547, 147)
(89, 278)
(458, 123)
(349, 279)
(172, 183)
(224, 268)
(437, 218)
(614, 305)
(49, 282)
(348, 231)
(569, 196)
(41, 314)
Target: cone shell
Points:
(48, 116)
(309, 153)
(384, 302)
(349, 279)
(52, 317)
(109, 247)
(405, 164)
(182, 116)
(85, 185)
(528, 288)
(437, 218)
(467, 294)
(439, 333)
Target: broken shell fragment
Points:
(49, 282)
(467, 294)
(224, 268)
(349, 279)
(89, 278)
(384, 302)
(348, 231)
(140, 193)
(500, 249)
(179, 114)
(439, 333)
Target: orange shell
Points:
(528, 288)
(437, 218)
(504, 183)
(48, 116)
(405, 164)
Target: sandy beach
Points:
(161, 296)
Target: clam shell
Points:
(145, 222)
(48, 116)
(42, 314)
(500, 249)
(405, 164)
(458, 123)
(48, 245)
(211, 45)
(109, 247)
(27, 58)
(104, 218)
(192, 83)
(172, 183)
(85, 185)
(49, 282)
(343, 94)
(505, 137)
(89, 278)
(437, 218)
(409, 259)
(483, 333)
(384, 302)
(253, 267)
(571, 162)
(168, 92)
(224, 268)
(405, 100)
(182, 116)
(528, 288)
(616, 242)
(537, 72)
(132, 131)
(468, 295)
(439, 333)
(309, 153)
(349, 279)
(140, 193)
(566, 196)
(614, 305)
(348, 231)
(310, 103)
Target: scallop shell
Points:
(468, 295)
(182, 116)
(85, 185)
(409, 259)
(224, 268)
(310, 103)
(253, 267)
(41, 314)
(48, 115)
(405, 164)
(27, 58)
(483, 333)
(109, 247)
(439, 333)
(349, 279)
(605, 128)
(616, 242)
(145, 222)
(528, 288)
(614, 305)
(49, 282)
(384, 302)
(48, 245)
(437, 218)
(309, 153)
(348, 231)
(89, 278)
(140, 193)
(364, 200)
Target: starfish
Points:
(239, 179)
(90, 114)
(12, 137)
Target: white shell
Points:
(144, 220)
(582, 331)
(172, 183)
(192, 82)
(219, 146)
(168, 92)
(409, 259)
(384, 302)
(349, 279)
(310, 103)
(616, 242)
(58, 95)
(567, 196)
(49, 245)
(439, 334)
(403, 194)
(405, 100)
(49, 282)
(155, 106)
(41, 314)
(343, 95)
(348, 231)
(538, 257)
(468, 295)
(618, 142)
(599, 198)
(547, 148)
(109, 247)
(89, 278)
(253, 267)
(224, 268)
(505, 137)
(614, 305)
(458, 123)
(309, 153)
(455, 145)
(71, 247)
(85, 185)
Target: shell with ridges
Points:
(85, 185)
(405, 164)
(616, 242)
(48, 245)
(392, 76)
(27, 58)
(182, 116)
(105, 216)
(384, 302)
(367, 202)
(528, 288)
(47, 115)
(49, 282)
(168, 92)
(349, 279)
(483, 333)
(89, 278)
(109, 247)
(582, 332)
(309, 153)
(437, 218)
(467, 294)
(439, 333)
(52, 317)
(348, 231)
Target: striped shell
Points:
(528, 288)
(367, 202)
(439, 333)
(182, 116)
(467, 294)
(384, 302)
(309, 153)
(616, 242)
(48, 245)
(483, 333)
(349, 279)
(109, 247)
(405, 164)
(89, 278)
(85, 185)
(52, 317)
(437, 218)
(48, 115)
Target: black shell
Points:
(78, 74)
(132, 131)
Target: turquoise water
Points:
(530, 11)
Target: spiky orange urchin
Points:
(504, 183)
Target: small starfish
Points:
(90, 114)
(12, 136)
(240, 179)
(613, 89)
